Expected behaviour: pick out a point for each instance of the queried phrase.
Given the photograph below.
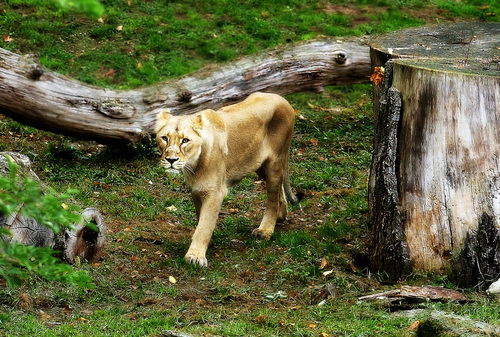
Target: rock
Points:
(494, 289)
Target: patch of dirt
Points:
(358, 15)
(365, 14)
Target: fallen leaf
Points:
(172, 279)
(8, 39)
(24, 301)
(312, 326)
(43, 314)
(139, 65)
(328, 272)
(172, 208)
(314, 142)
(261, 318)
(323, 263)
(414, 326)
(84, 320)
(127, 229)
(323, 334)
(63, 205)
(119, 28)
(110, 72)
(378, 75)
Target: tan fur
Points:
(216, 149)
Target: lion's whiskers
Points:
(188, 170)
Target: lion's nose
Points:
(172, 160)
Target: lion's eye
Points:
(185, 140)
(165, 139)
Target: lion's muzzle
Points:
(171, 164)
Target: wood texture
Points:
(389, 248)
(447, 161)
(52, 102)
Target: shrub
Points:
(17, 261)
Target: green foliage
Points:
(17, 261)
(48, 209)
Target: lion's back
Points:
(256, 112)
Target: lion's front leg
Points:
(209, 204)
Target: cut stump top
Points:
(468, 47)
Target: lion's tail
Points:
(290, 196)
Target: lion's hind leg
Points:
(276, 207)
(283, 209)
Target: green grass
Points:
(251, 287)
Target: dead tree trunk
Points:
(48, 101)
(435, 174)
(81, 242)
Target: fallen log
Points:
(80, 243)
(408, 297)
(46, 100)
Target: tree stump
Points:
(435, 175)
(81, 242)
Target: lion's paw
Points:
(199, 260)
(260, 234)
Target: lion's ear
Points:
(207, 117)
(198, 122)
(162, 118)
(201, 120)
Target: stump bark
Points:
(80, 242)
(436, 168)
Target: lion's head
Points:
(179, 139)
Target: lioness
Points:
(216, 149)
